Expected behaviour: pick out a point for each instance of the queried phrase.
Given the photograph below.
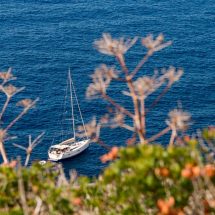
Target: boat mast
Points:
(73, 87)
(71, 100)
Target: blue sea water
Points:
(41, 39)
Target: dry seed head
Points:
(113, 120)
(108, 72)
(155, 44)
(144, 86)
(26, 103)
(118, 119)
(5, 76)
(172, 75)
(92, 130)
(108, 45)
(101, 80)
(105, 119)
(179, 119)
(9, 90)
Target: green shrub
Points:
(134, 183)
(144, 179)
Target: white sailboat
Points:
(70, 147)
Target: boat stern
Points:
(54, 157)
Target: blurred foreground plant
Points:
(34, 190)
(149, 179)
(144, 179)
(138, 89)
(9, 91)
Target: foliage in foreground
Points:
(154, 180)
(144, 179)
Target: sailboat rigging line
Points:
(71, 100)
(64, 110)
(78, 104)
(61, 120)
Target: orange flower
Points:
(11, 164)
(180, 213)
(186, 138)
(171, 201)
(209, 170)
(212, 203)
(77, 201)
(104, 158)
(190, 171)
(165, 206)
(35, 188)
(186, 173)
(196, 171)
(111, 155)
(163, 171)
(189, 165)
(157, 171)
(114, 151)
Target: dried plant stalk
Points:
(10, 91)
(138, 88)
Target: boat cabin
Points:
(58, 149)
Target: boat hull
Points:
(83, 146)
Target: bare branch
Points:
(22, 191)
(4, 107)
(143, 120)
(25, 110)
(154, 103)
(38, 206)
(119, 107)
(29, 140)
(152, 46)
(128, 127)
(31, 146)
(123, 66)
(27, 159)
(19, 146)
(173, 136)
(140, 64)
(102, 143)
(171, 75)
(137, 117)
(3, 152)
(156, 136)
(10, 138)
(36, 140)
(119, 79)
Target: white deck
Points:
(58, 152)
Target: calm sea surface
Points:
(41, 39)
